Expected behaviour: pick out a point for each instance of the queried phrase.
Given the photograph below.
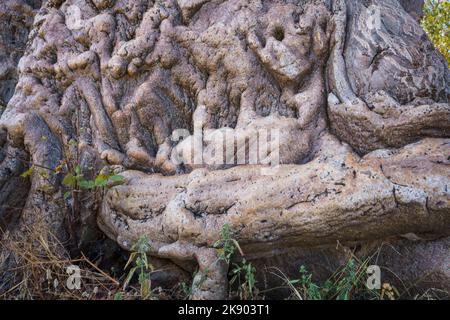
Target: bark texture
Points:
(358, 94)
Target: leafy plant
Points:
(247, 288)
(346, 283)
(347, 280)
(226, 247)
(436, 23)
(138, 256)
(186, 289)
(76, 181)
(314, 291)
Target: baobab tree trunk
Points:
(340, 110)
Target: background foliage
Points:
(436, 23)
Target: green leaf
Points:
(27, 173)
(69, 180)
(43, 173)
(87, 184)
(144, 276)
(118, 296)
(46, 188)
(67, 195)
(101, 180)
(78, 170)
(116, 178)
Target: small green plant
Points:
(138, 256)
(346, 283)
(186, 289)
(76, 181)
(347, 280)
(226, 247)
(247, 287)
(339, 287)
(314, 292)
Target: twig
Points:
(100, 270)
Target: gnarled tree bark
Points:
(354, 89)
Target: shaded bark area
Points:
(16, 19)
(414, 8)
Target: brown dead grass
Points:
(36, 267)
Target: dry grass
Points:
(38, 263)
(353, 287)
(36, 269)
(37, 266)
